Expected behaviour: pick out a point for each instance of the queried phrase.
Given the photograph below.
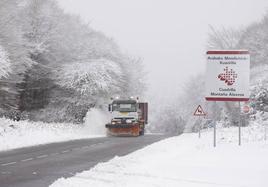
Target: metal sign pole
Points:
(199, 134)
(265, 123)
(265, 132)
(199, 112)
(214, 141)
(239, 128)
(214, 134)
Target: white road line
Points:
(53, 154)
(26, 160)
(7, 164)
(5, 173)
(65, 151)
(42, 156)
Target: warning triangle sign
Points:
(199, 111)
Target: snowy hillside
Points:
(186, 161)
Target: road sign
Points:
(246, 109)
(199, 111)
(227, 75)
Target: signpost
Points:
(227, 78)
(199, 112)
(265, 120)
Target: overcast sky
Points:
(170, 35)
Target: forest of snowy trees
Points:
(54, 67)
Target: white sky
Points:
(170, 35)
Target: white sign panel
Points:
(227, 76)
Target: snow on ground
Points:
(186, 161)
(24, 133)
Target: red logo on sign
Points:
(228, 76)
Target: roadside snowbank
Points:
(186, 161)
(24, 133)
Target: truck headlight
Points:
(129, 121)
(113, 122)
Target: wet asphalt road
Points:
(41, 165)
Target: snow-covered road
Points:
(186, 161)
(41, 165)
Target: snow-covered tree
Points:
(254, 39)
(5, 65)
(135, 77)
(224, 38)
(167, 119)
(11, 39)
(14, 55)
(259, 88)
(39, 25)
(99, 77)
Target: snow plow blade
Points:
(123, 130)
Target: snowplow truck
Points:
(129, 118)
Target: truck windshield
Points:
(125, 107)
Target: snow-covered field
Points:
(24, 133)
(186, 161)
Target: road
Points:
(41, 165)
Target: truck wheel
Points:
(142, 131)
